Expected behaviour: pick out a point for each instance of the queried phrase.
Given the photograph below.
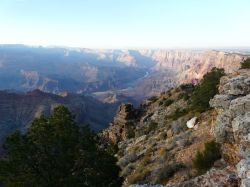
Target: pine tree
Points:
(56, 152)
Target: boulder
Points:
(191, 123)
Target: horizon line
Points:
(129, 48)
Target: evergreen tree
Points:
(56, 152)
(206, 90)
(245, 64)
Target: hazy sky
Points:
(126, 23)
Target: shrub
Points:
(130, 133)
(168, 102)
(178, 113)
(245, 64)
(206, 90)
(151, 127)
(168, 171)
(205, 160)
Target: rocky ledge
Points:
(232, 126)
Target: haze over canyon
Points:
(97, 79)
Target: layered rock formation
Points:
(135, 73)
(174, 67)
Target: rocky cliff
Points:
(166, 137)
(174, 67)
(232, 127)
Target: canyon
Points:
(136, 73)
(94, 82)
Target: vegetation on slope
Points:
(206, 90)
(245, 64)
(56, 152)
(162, 150)
(205, 160)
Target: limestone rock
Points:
(221, 101)
(191, 123)
(243, 168)
(240, 106)
(233, 122)
(241, 127)
(245, 183)
(223, 128)
(236, 84)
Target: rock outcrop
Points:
(123, 124)
(233, 122)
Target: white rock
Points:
(245, 183)
(243, 167)
(191, 122)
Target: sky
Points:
(126, 23)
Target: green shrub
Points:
(206, 90)
(160, 103)
(168, 102)
(178, 113)
(151, 127)
(205, 160)
(130, 133)
(168, 171)
(245, 64)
